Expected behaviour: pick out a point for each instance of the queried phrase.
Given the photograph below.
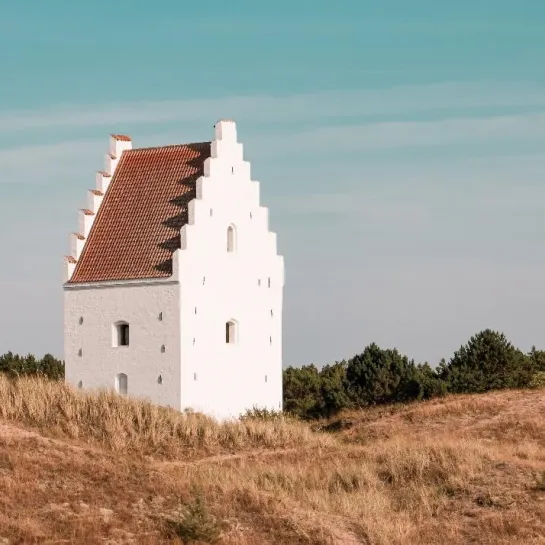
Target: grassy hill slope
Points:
(80, 468)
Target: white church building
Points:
(173, 288)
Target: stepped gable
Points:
(143, 203)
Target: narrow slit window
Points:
(231, 238)
(231, 332)
(159, 379)
(121, 384)
(160, 316)
(163, 349)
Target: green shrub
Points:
(487, 362)
(193, 522)
(14, 365)
(538, 380)
(540, 480)
(378, 376)
(262, 414)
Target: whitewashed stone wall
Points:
(209, 287)
(140, 305)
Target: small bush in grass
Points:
(193, 522)
(540, 480)
(538, 380)
(262, 414)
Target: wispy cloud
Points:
(369, 208)
(291, 108)
(376, 136)
(38, 163)
(27, 163)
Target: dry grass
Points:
(76, 468)
(123, 425)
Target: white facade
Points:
(227, 271)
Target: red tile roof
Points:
(137, 227)
(122, 137)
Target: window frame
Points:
(121, 334)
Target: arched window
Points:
(121, 334)
(231, 332)
(231, 238)
(121, 384)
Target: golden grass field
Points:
(88, 468)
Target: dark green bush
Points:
(487, 362)
(14, 366)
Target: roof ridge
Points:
(169, 146)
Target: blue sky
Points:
(400, 146)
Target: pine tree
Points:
(487, 362)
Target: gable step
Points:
(118, 144)
(121, 137)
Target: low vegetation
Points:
(377, 376)
(383, 376)
(120, 424)
(377, 450)
(94, 468)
